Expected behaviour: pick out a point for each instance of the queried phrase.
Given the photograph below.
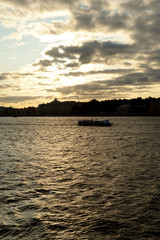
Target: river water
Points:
(59, 180)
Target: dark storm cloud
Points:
(97, 4)
(4, 76)
(154, 56)
(98, 15)
(148, 77)
(147, 31)
(80, 89)
(56, 53)
(144, 22)
(113, 21)
(133, 16)
(130, 79)
(93, 21)
(50, 4)
(14, 75)
(39, 5)
(134, 6)
(72, 65)
(97, 89)
(139, 48)
(17, 99)
(140, 80)
(17, 3)
(43, 63)
(86, 52)
(9, 86)
(84, 21)
(4, 86)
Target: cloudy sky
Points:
(78, 50)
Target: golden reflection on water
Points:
(69, 182)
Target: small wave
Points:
(107, 226)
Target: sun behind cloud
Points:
(78, 50)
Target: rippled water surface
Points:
(59, 180)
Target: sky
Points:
(78, 50)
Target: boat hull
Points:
(104, 123)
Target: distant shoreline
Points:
(106, 108)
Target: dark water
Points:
(63, 181)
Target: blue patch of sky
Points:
(16, 55)
(107, 38)
(83, 6)
(6, 31)
(61, 18)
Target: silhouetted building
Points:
(124, 109)
(56, 108)
(154, 107)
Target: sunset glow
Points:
(52, 49)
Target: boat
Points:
(94, 123)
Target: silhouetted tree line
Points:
(121, 107)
